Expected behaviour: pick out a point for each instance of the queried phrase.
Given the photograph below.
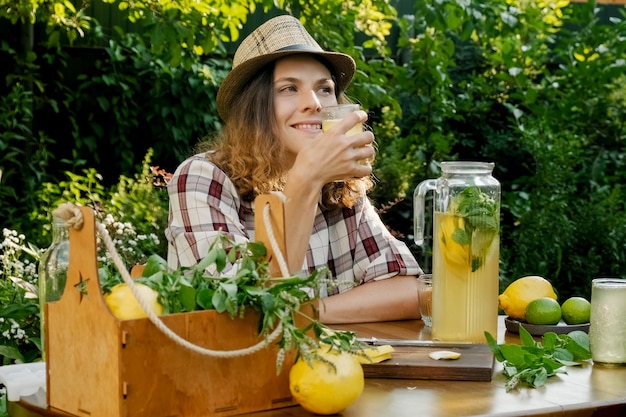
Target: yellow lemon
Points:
(330, 385)
(576, 310)
(544, 310)
(125, 306)
(514, 300)
(455, 254)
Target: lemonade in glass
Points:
(331, 115)
(607, 330)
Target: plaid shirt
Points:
(353, 243)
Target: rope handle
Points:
(74, 218)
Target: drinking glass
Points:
(607, 328)
(425, 298)
(331, 115)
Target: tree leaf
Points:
(11, 353)
(187, 297)
(538, 377)
(525, 336)
(230, 289)
(513, 354)
(219, 301)
(204, 298)
(562, 354)
(578, 344)
(154, 264)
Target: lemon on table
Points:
(519, 293)
(544, 310)
(576, 310)
(123, 304)
(324, 388)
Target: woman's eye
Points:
(327, 90)
(288, 89)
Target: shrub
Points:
(134, 213)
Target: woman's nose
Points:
(311, 102)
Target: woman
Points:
(272, 141)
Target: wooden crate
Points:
(100, 366)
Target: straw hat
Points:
(276, 38)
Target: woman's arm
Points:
(330, 156)
(385, 300)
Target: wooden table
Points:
(584, 391)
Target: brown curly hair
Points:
(250, 128)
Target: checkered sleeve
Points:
(378, 254)
(203, 201)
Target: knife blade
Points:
(374, 341)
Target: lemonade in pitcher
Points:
(462, 280)
(466, 251)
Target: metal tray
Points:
(539, 329)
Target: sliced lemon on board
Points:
(444, 354)
(375, 354)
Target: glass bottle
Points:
(466, 250)
(53, 266)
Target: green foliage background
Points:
(536, 86)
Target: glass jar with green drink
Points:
(466, 250)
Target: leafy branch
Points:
(533, 362)
(235, 277)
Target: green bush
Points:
(134, 213)
(536, 87)
(133, 100)
(24, 157)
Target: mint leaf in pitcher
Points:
(480, 223)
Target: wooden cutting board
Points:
(409, 362)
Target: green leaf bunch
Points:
(234, 278)
(533, 362)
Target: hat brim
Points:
(342, 68)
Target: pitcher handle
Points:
(418, 209)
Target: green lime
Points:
(543, 310)
(576, 310)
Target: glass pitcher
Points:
(466, 250)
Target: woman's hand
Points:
(338, 154)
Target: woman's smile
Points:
(315, 127)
